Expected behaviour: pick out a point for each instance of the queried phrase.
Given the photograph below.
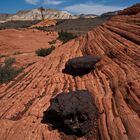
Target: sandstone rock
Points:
(115, 85)
(131, 10)
(45, 23)
(22, 44)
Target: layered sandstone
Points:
(22, 44)
(45, 23)
(115, 85)
(131, 10)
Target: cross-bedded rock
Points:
(115, 85)
(73, 113)
(81, 65)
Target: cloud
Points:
(34, 2)
(91, 8)
(53, 2)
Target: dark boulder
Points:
(81, 65)
(73, 113)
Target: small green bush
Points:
(65, 37)
(44, 51)
(7, 71)
(41, 28)
(9, 61)
(52, 42)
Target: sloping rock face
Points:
(45, 23)
(22, 44)
(114, 85)
(131, 10)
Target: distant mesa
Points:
(36, 14)
(87, 16)
(42, 13)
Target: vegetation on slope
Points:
(65, 36)
(45, 51)
(17, 24)
(7, 71)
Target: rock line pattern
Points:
(115, 85)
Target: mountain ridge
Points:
(36, 14)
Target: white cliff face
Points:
(35, 14)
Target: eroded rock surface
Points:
(45, 23)
(72, 113)
(131, 10)
(23, 43)
(114, 85)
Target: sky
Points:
(74, 6)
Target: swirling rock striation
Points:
(45, 23)
(114, 85)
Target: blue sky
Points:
(74, 6)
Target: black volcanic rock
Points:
(72, 113)
(81, 65)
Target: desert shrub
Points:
(45, 51)
(9, 61)
(53, 47)
(52, 42)
(60, 21)
(1, 55)
(7, 71)
(41, 28)
(65, 36)
(18, 24)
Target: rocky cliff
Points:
(45, 23)
(3, 17)
(131, 10)
(36, 14)
(114, 84)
